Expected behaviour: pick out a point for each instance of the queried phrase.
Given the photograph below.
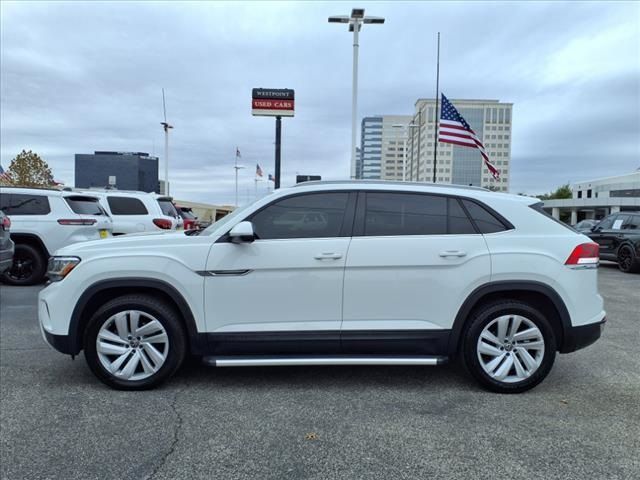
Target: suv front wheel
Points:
(28, 267)
(134, 342)
(509, 346)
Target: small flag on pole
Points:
(272, 178)
(455, 129)
(238, 153)
(258, 170)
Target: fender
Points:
(508, 286)
(197, 340)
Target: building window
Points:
(589, 193)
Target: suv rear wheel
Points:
(134, 342)
(28, 267)
(627, 261)
(509, 346)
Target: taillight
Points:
(585, 254)
(163, 223)
(6, 223)
(77, 221)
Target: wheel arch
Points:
(30, 239)
(539, 294)
(100, 292)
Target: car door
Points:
(609, 234)
(412, 260)
(282, 293)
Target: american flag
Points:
(272, 178)
(5, 176)
(258, 170)
(455, 129)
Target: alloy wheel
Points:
(625, 259)
(21, 268)
(132, 345)
(510, 348)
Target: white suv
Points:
(134, 212)
(394, 274)
(44, 220)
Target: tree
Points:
(29, 170)
(560, 193)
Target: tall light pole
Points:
(166, 127)
(355, 22)
(405, 137)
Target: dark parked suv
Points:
(619, 238)
(6, 244)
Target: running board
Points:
(263, 361)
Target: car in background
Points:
(45, 220)
(135, 212)
(6, 244)
(189, 219)
(619, 238)
(585, 226)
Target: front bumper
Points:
(61, 343)
(576, 338)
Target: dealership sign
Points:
(273, 102)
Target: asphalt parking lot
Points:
(583, 421)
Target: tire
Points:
(627, 261)
(135, 364)
(28, 267)
(518, 365)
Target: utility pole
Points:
(166, 127)
(355, 21)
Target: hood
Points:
(145, 242)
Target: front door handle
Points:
(453, 253)
(328, 256)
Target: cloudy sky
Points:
(78, 77)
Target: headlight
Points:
(59, 267)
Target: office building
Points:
(121, 170)
(492, 122)
(394, 133)
(595, 199)
(370, 148)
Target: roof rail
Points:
(391, 182)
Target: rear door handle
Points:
(453, 253)
(328, 256)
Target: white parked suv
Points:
(44, 220)
(134, 212)
(395, 274)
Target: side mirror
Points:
(242, 233)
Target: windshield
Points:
(187, 214)
(226, 219)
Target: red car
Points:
(187, 216)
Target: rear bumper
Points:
(576, 338)
(6, 256)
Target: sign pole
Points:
(278, 139)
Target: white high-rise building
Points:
(382, 147)
(491, 120)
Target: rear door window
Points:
(126, 206)
(85, 205)
(25, 204)
(390, 214)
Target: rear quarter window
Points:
(24, 204)
(538, 208)
(485, 220)
(84, 205)
(126, 206)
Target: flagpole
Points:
(435, 145)
(236, 169)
